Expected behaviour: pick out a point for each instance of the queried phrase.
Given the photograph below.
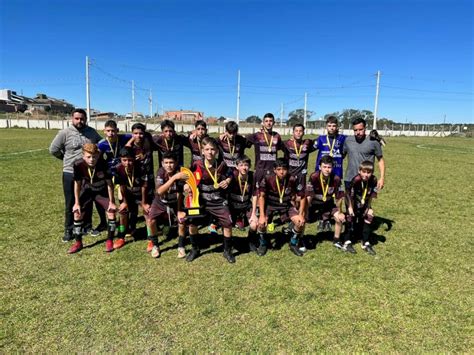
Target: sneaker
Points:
(337, 244)
(77, 246)
(302, 246)
(212, 228)
(229, 256)
(349, 248)
(149, 246)
(120, 242)
(67, 237)
(368, 248)
(193, 254)
(181, 252)
(252, 247)
(155, 251)
(295, 250)
(96, 231)
(327, 226)
(109, 245)
(262, 250)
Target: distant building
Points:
(184, 115)
(104, 116)
(41, 103)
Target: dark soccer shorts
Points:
(221, 215)
(286, 214)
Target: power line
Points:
(430, 91)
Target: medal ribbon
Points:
(231, 149)
(132, 180)
(242, 190)
(213, 177)
(280, 192)
(298, 153)
(91, 174)
(331, 147)
(114, 152)
(364, 194)
(167, 147)
(324, 188)
(269, 142)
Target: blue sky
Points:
(188, 53)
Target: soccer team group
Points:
(231, 196)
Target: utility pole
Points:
(133, 99)
(305, 105)
(238, 97)
(88, 94)
(376, 99)
(150, 101)
(281, 115)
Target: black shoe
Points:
(193, 254)
(368, 249)
(337, 244)
(252, 247)
(96, 231)
(67, 237)
(295, 250)
(262, 250)
(349, 248)
(229, 256)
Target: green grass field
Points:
(414, 295)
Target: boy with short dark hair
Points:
(324, 194)
(92, 182)
(194, 142)
(143, 146)
(243, 200)
(277, 195)
(232, 144)
(170, 141)
(167, 206)
(332, 144)
(133, 193)
(112, 144)
(362, 190)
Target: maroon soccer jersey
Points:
(175, 145)
(315, 190)
(195, 146)
(133, 180)
(359, 188)
(266, 148)
(232, 149)
(144, 158)
(240, 198)
(272, 194)
(93, 179)
(297, 154)
(170, 198)
(208, 194)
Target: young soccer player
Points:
(92, 182)
(243, 200)
(143, 147)
(331, 144)
(133, 187)
(112, 144)
(232, 144)
(166, 207)
(195, 140)
(324, 194)
(215, 179)
(267, 143)
(297, 152)
(362, 190)
(170, 141)
(277, 195)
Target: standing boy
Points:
(277, 195)
(194, 142)
(362, 189)
(232, 144)
(92, 182)
(331, 144)
(267, 143)
(169, 141)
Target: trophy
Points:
(191, 203)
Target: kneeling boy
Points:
(92, 182)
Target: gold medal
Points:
(268, 141)
(362, 201)
(364, 193)
(213, 177)
(216, 185)
(280, 192)
(323, 187)
(281, 200)
(331, 147)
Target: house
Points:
(184, 115)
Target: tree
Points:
(253, 119)
(297, 116)
(221, 119)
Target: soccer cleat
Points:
(155, 251)
(67, 237)
(349, 248)
(295, 250)
(120, 242)
(302, 246)
(262, 250)
(181, 252)
(368, 248)
(149, 246)
(76, 247)
(229, 256)
(212, 228)
(193, 254)
(337, 244)
(96, 231)
(239, 224)
(109, 245)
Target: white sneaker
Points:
(155, 252)
(181, 252)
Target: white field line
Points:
(23, 152)
(423, 146)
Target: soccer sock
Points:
(365, 233)
(111, 226)
(252, 235)
(228, 244)
(193, 239)
(263, 238)
(154, 239)
(181, 241)
(121, 231)
(295, 237)
(132, 225)
(77, 230)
